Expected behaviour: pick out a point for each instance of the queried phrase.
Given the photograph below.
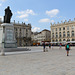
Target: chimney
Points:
(65, 20)
(61, 21)
(69, 20)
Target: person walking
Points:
(60, 46)
(49, 45)
(44, 47)
(67, 48)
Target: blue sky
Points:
(40, 13)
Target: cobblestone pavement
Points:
(37, 62)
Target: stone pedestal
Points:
(7, 37)
(2, 52)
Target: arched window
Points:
(68, 39)
(52, 40)
(60, 40)
(64, 40)
(73, 39)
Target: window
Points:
(52, 40)
(72, 33)
(56, 40)
(60, 40)
(20, 29)
(63, 34)
(56, 29)
(26, 30)
(68, 39)
(59, 34)
(59, 29)
(72, 27)
(52, 35)
(72, 39)
(68, 34)
(56, 35)
(64, 40)
(68, 28)
(16, 29)
(63, 28)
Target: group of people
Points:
(44, 46)
(67, 47)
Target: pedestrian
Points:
(67, 48)
(44, 46)
(60, 46)
(49, 45)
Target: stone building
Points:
(44, 35)
(64, 31)
(22, 33)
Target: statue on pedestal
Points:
(8, 15)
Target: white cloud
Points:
(23, 16)
(26, 13)
(46, 20)
(35, 29)
(25, 19)
(20, 12)
(52, 13)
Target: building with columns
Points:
(64, 31)
(22, 33)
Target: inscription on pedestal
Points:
(9, 34)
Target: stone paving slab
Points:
(37, 62)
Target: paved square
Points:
(37, 62)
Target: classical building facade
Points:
(44, 35)
(22, 33)
(64, 31)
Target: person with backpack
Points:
(60, 46)
(67, 47)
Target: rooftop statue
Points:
(8, 15)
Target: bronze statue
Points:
(8, 15)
